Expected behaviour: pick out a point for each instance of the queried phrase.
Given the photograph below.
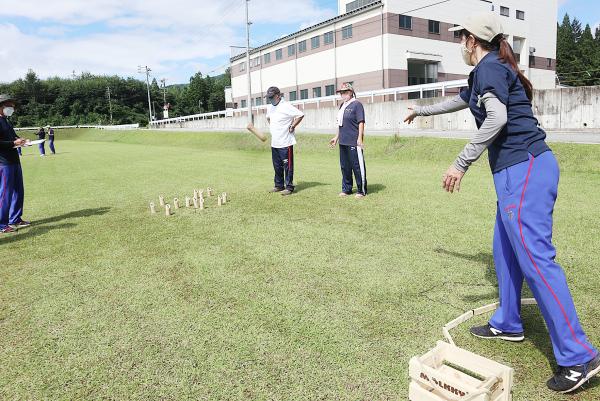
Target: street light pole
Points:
(147, 70)
(249, 98)
(109, 104)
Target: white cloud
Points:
(114, 36)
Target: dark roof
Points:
(310, 28)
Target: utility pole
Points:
(109, 104)
(146, 70)
(249, 99)
(164, 85)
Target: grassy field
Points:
(307, 297)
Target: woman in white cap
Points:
(525, 176)
(351, 136)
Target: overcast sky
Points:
(175, 38)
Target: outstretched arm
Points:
(449, 106)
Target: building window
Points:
(317, 92)
(315, 42)
(244, 103)
(549, 63)
(291, 50)
(258, 101)
(406, 22)
(293, 96)
(267, 58)
(504, 11)
(353, 5)
(304, 94)
(520, 15)
(456, 33)
(434, 27)
(302, 46)
(532, 61)
(330, 90)
(243, 67)
(278, 54)
(347, 32)
(328, 38)
(254, 62)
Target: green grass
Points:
(308, 297)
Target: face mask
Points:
(8, 111)
(346, 97)
(274, 101)
(466, 54)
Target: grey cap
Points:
(6, 98)
(272, 91)
(484, 26)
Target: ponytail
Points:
(506, 55)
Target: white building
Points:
(379, 44)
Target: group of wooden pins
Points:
(197, 201)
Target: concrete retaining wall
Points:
(556, 109)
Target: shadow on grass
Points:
(43, 226)
(482, 258)
(302, 185)
(374, 188)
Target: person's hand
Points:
(292, 129)
(451, 179)
(333, 141)
(413, 114)
(360, 143)
(20, 141)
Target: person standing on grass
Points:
(283, 118)
(351, 135)
(526, 177)
(41, 134)
(51, 140)
(11, 175)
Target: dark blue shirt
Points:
(8, 154)
(353, 116)
(41, 134)
(521, 135)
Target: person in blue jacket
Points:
(51, 140)
(41, 134)
(11, 176)
(526, 175)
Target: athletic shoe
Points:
(275, 189)
(359, 196)
(570, 378)
(42, 155)
(344, 194)
(286, 192)
(7, 230)
(20, 224)
(489, 332)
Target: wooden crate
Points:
(449, 373)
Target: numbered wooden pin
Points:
(219, 201)
(224, 196)
(188, 202)
(161, 200)
(152, 208)
(195, 193)
(167, 209)
(209, 192)
(195, 203)
(176, 203)
(201, 201)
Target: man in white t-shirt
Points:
(283, 118)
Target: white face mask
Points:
(466, 54)
(8, 111)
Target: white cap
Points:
(484, 26)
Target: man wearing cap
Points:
(11, 176)
(351, 133)
(283, 118)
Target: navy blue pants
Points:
(11, 194)
(51, 145)
(352, 161)
(283, 164)
(523, 250)
(42, 148)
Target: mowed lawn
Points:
(307, 297)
